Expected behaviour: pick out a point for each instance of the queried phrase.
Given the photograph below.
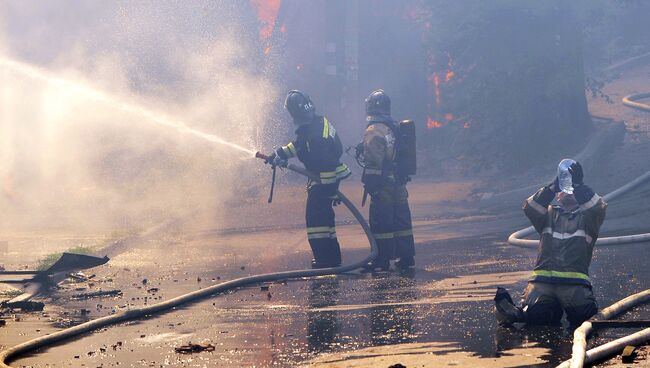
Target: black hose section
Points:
(194, 296)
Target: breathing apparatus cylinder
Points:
(405, 157)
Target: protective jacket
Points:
(379, 151)
(319, 148)
(390, 215)
(567, 238)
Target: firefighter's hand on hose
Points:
(275, 160)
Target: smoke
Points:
(79, 148)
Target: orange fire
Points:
(431, 124)
(267, 13)
(466, 125)
(450, 74)
(267, 50)
(449, 116)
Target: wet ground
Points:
(439, 315)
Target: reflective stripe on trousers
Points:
(321, 229)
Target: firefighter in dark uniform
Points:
(560, 280)
(319, 148)
(390, 216)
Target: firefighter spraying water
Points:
(319, 148)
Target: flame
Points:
(466, 125)
(431, 124)
(449, 116)
(267, 50)
(450, 74)
(267, 13)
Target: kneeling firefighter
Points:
(388, 155)
(319, 148)
(568, 231)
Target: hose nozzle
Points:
(260, 155)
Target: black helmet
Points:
(378, 103)
(299, 106)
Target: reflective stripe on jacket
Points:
(319, 148)
(566, 238)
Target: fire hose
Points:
(51, 339)
(631, 101)
(580, 355)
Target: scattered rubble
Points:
(26, 306)
(193, 348)
(97, 294)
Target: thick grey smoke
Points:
(81, 96)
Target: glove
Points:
(275, 160)
(372, 184)
(577, 176)
(555, 185)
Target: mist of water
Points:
(148, 115)
(128, 121)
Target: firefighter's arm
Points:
(287, 151)
(593, 208)
(374, 152)
(536, 207)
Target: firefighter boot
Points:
(507, 312)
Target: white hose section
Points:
(630, 100)
(603, 351)
(39, 342)
(516, 238)
(579, 352)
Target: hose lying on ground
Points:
(31, 345)
(580, 356)
(631, 101)
(516, 238)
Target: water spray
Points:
(89, 91)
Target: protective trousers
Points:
(544, 303)
(390, 223)
(321, 229)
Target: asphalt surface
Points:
(461, 258)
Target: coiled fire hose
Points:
(31, 345)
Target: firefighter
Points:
(319, 148)
(390, 216)
(568, 231)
